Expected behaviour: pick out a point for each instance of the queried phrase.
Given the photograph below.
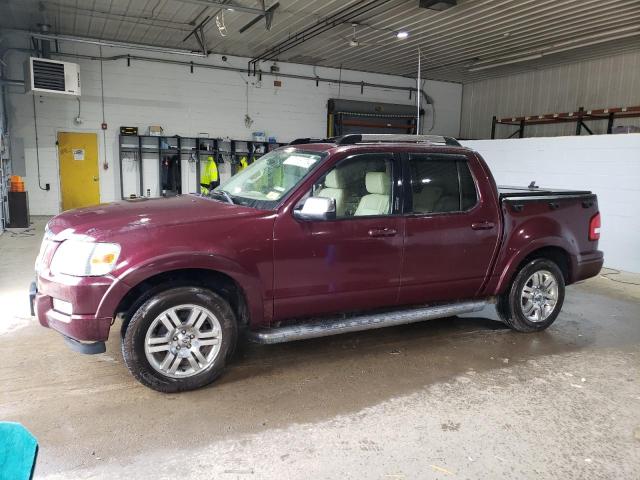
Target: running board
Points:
(334, 326)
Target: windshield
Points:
(263, 183)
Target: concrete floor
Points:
(453, 398)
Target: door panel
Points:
(335, 266)
(445, 259)
(352, 263)
(449, 243)
(79, 174)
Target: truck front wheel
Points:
(534, 298)
(179, 339)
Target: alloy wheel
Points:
(183, 341)
(539, 296)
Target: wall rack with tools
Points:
(578, 117)
(155, 166)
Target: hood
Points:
(105, 221)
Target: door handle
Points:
(482, 225)
(382, 232)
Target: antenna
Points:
(418, 94)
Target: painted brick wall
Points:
(608, 165)
(185, 104)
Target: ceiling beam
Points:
(268, 18)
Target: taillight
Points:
(594, 227)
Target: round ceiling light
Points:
(402, 34)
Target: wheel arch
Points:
(206, 267)
(556, 253)
(218, 282)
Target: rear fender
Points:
(545, 232)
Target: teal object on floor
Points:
(18, 452)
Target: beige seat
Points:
(334, 188)
(377, 201)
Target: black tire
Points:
(133, 342)
(510, 306)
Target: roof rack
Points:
(390, 137)
(353, 139)
(301, 141)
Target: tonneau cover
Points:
(508, 192)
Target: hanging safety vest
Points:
(209, 177)
(244, 163)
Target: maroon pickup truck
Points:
(313, 239)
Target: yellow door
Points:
(78, 155)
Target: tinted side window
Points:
(441, 184)
(434, 185)
(468, 194)
(360, 185)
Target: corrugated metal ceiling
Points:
(474, 40)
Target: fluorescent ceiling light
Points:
(402, 34)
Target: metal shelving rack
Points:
(135, 147)
(4, 191)
(372, 122)
(578, 117)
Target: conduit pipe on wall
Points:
(11, 82)
(190, 65)
(109, 43)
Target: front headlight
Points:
(85, 259)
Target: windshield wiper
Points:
(223, 194)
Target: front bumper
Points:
(85, 294)
(83, 327)
(78, 346)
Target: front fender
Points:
(134, 275)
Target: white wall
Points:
(608, 165)
(186, 104)
(612, 81)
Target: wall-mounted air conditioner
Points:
(44, 76)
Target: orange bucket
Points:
(17, 186)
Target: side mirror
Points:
(316, 208)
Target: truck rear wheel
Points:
(534, 298)
(179, 339)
